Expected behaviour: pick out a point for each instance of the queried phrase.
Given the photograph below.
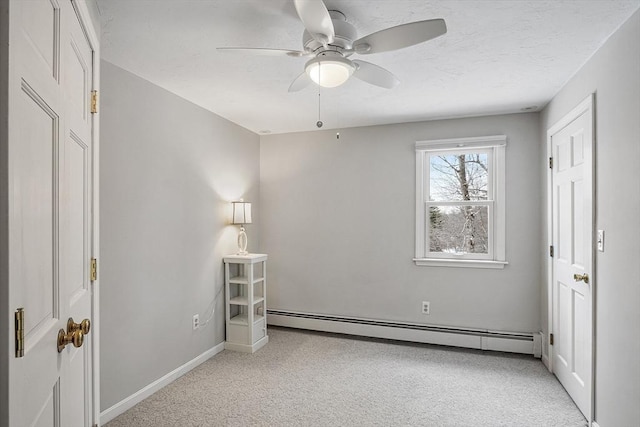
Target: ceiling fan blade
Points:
(375, 75)
(300, 82)
(400, 36)
(316, 19)
(265, 51)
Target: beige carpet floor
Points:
(314, 379)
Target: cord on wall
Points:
(211, 307)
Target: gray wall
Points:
(338, 223)
(94, 13)
(168, 170)
(613, 73)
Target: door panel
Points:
(581, 336)
(78, 413)
(577, 195)
(577, 141)
(48, 415)
(572, 236)
(563, 323)
(50, 196)
(76, 175)
(35, 166)
(40, 22)
(563, 156)
(77, 80)
(564, 244)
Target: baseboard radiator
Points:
(482, 339)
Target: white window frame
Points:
(495, 147)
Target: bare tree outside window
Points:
(457, 225)
(460, 202)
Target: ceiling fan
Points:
(329, 40)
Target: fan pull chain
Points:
(338, 117)
(319, 122)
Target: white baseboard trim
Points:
(545, 362)
(137, 397)
(594, 424)
(537, 345)
(512, 342)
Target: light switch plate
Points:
(600, 240)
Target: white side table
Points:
(245, 278)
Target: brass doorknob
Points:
(581, 277)
(84, 326)
(75, 337)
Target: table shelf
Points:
(246, 304)
(243, 280)
(243, 319)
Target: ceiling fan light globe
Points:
(329, 72)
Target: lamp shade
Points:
(241, 212)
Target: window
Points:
(460, 202)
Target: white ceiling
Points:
(497, 56)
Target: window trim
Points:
(497, 145)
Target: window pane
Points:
(462, 176)
(459, 229)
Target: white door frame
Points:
(84, 17)
(587, 105)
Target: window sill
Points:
(463, 263)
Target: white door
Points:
(50, 219)
(572, 284)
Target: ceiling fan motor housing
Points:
(345, 34)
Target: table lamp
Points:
(241, 216)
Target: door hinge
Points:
(94, 101)
(551, 251)
(550, 339)
(94, 269)
(550, 162)
(20, 332)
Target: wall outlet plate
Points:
(196, 321)
(426, 307)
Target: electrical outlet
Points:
(426, 307)
(196, 321)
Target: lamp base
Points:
(242, 242)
